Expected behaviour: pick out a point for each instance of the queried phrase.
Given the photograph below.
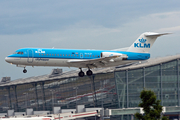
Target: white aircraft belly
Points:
(62, 63)
(44, 62)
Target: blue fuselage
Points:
(72, 54)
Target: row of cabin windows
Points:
(69, 55)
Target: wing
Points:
(94, 63)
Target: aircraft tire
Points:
(81, 74)
(89, 73)
(24, 71)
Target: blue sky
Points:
(84, 24)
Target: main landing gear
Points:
(88, 73)
(24, 71)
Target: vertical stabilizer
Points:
(144, 42)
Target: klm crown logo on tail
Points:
(142, 44)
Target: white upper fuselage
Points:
(72, 58)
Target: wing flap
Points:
(93, 62)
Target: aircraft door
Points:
(30, 56)
(81, 55)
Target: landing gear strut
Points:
(24, 71)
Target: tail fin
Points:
(144, 42)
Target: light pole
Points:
(7, 99)
(25, 98)
(52, 98)
(102, 94)
(75, 88)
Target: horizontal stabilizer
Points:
(151, 34)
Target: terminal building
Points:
(109, 88)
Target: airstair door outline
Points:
(30, 56)
(81, 55)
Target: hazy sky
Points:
(84, 24)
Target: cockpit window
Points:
(19, 53)
(15, 53)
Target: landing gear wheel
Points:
(89, 73)
(24, 71)
(81, 74)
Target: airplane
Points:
(90, 59)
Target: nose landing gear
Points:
(24, 71)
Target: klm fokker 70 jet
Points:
(138, 51)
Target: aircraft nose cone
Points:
(7, 59)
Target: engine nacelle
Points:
(109, 54)
(119, 58)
